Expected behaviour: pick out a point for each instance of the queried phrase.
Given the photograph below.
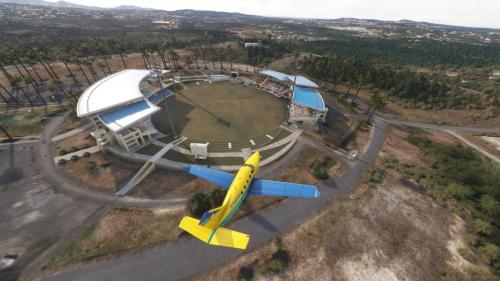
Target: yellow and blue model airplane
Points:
(209, 228)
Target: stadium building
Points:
(307, 107)
(120, 106)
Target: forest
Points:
(407, 51)
(411, 88)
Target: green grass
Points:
(150, 149)
(268, 153)
(217, 161)
(221, 112)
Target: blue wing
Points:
(219, 178)
(280, 188)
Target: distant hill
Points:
(64, 4)
(232, 16)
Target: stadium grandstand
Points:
(120, 106)
(307, 106)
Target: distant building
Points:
(119, 110)
(307, 105)
(252, 45)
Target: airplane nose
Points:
(257, 154)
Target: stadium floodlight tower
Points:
(157, 70)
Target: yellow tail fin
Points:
(218, 237)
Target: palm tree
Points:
(9, 94)
(78, 62)
(162, 57)
(4, 99)
(189, 60)
(174, 56)
(376, 102)
(204, 53)
(28, 82)
(53, 90)
(102, 67)
(145, 57)
(49, 57)
(31, 59)
(20, 73)
(64, 59)
(6, 133)
(107, 64)
(26, 70)
(15, 82)
(357, 92)
(39, 57)
(91, 69)
(231, 55)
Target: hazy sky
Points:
(478, 13)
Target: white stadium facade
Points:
(119, 110)
(120, 105)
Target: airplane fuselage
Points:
(236, 193)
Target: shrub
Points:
(246, 273)
(61, 161)
(277, 264)
(74, 158)
(91, 166)
(320, 169)
(61, 152)
(86, 154)
(198, 204)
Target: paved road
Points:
(470, 130)
(474, 146)
(34, 217)
(74, 189)
(188, 256)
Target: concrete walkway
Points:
(79, 153)
(72, 132)
(61, 183)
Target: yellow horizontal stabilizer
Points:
(192, 226)
(230, 238)
(221, 237)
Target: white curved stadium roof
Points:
(124, 117)
(298, 80)
(117, 89)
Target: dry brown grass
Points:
(163, 183)
(118, 231)
(108, 175)
(79, 141)
(470, 117)
(388, 233)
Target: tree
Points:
(36, 90)
(78, 63)
(27, 71)
(6, 133)
(204, 53)
(489, 205)
(198, 204)
(102, 67)
(482, 227)
(88, 64)
(15, 82)
(9, 94)
(64, 58)
(375, 103)
(189, 60)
